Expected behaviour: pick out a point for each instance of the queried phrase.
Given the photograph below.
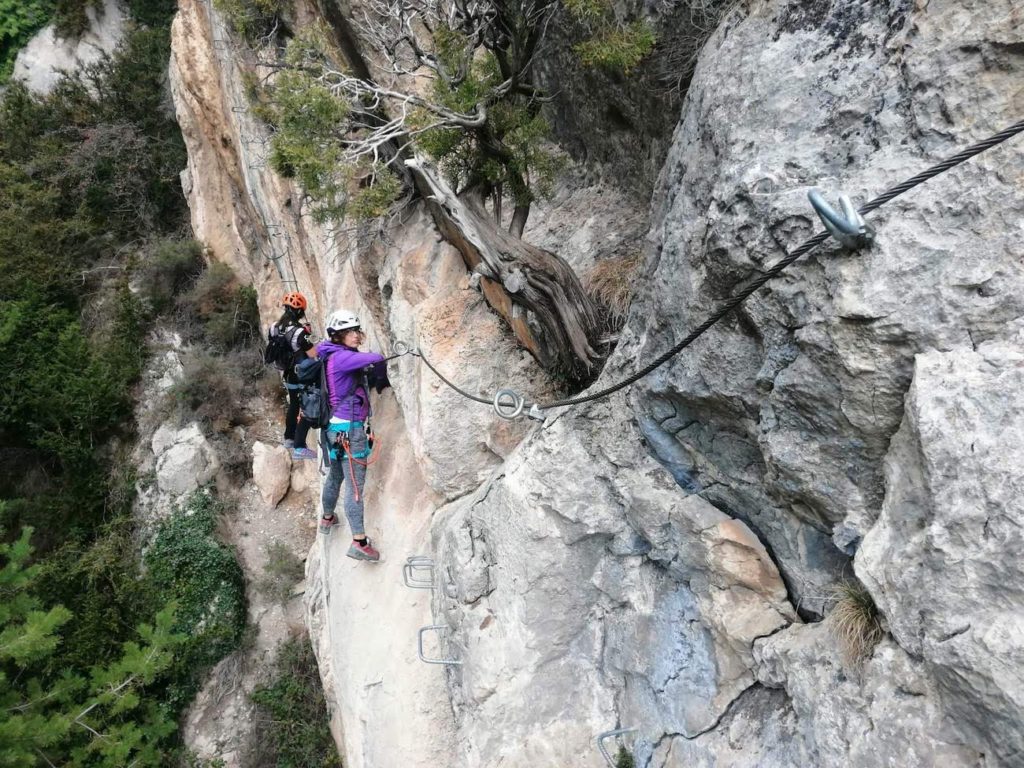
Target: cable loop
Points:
(508, 404)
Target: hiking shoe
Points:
(303, 453)
(326, 523)
(363, 550)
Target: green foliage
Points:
(166, 269)
(609, 43)
(88, 177)
(70, 18)
(618, 48)
(254, 19)
(94, 717)
(282, 571)
(292, 713)
(19, 20)
(623, 759)
(219, 313)
(60, 394)
(209, 391)
(188, 565)
(376, 195)
(153, 13)
(308, 122)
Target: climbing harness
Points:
(849, 228)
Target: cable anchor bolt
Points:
(401, 348)
(848, 227)
(536, 413)
(507, 404)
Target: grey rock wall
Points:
(783, 413)
(943, 559)
(582, 590)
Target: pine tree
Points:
(47, 716)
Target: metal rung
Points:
(418, 563)
(419, 646)
(607, 735)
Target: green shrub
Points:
(618, 48)
(166, 269)
(291, 713)
(218, 313)
(282, 571)
(254, 19)
(153, 13)
(70, 18)
(188, 565)
(19, 20)
(623, 759)
(209, 391)
(95, 715)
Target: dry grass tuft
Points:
(855, 623)
(612, 283)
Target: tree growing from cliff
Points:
(455, 87)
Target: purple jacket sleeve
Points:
(357, 361)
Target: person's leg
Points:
(291, 416)
(332, 487)
(301, 430)
(357, 472)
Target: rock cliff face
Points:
(661, 560)
(45, 57)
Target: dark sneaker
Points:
(363, 550)
(326, 523)
(303, 453)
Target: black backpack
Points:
(316, 400)
(279, 352)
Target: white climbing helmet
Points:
(342, 320)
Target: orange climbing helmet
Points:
(295, 301)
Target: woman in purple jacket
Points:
(349, 371)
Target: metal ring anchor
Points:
(507, 404)
(419, 646)
(607, 735)
(849, 228)
(401, 348)
(418, 563)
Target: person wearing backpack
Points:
(349, 374)
(288, 343)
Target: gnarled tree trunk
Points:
(535, 290)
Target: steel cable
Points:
(735, 301)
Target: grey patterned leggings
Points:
(332, 487)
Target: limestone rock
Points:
(305, 475)
(619, 591)
(888, 714)
(943, 561)
(271, 471)
(185, 459)
(463, 338)
(783, 412)
(43, 59)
